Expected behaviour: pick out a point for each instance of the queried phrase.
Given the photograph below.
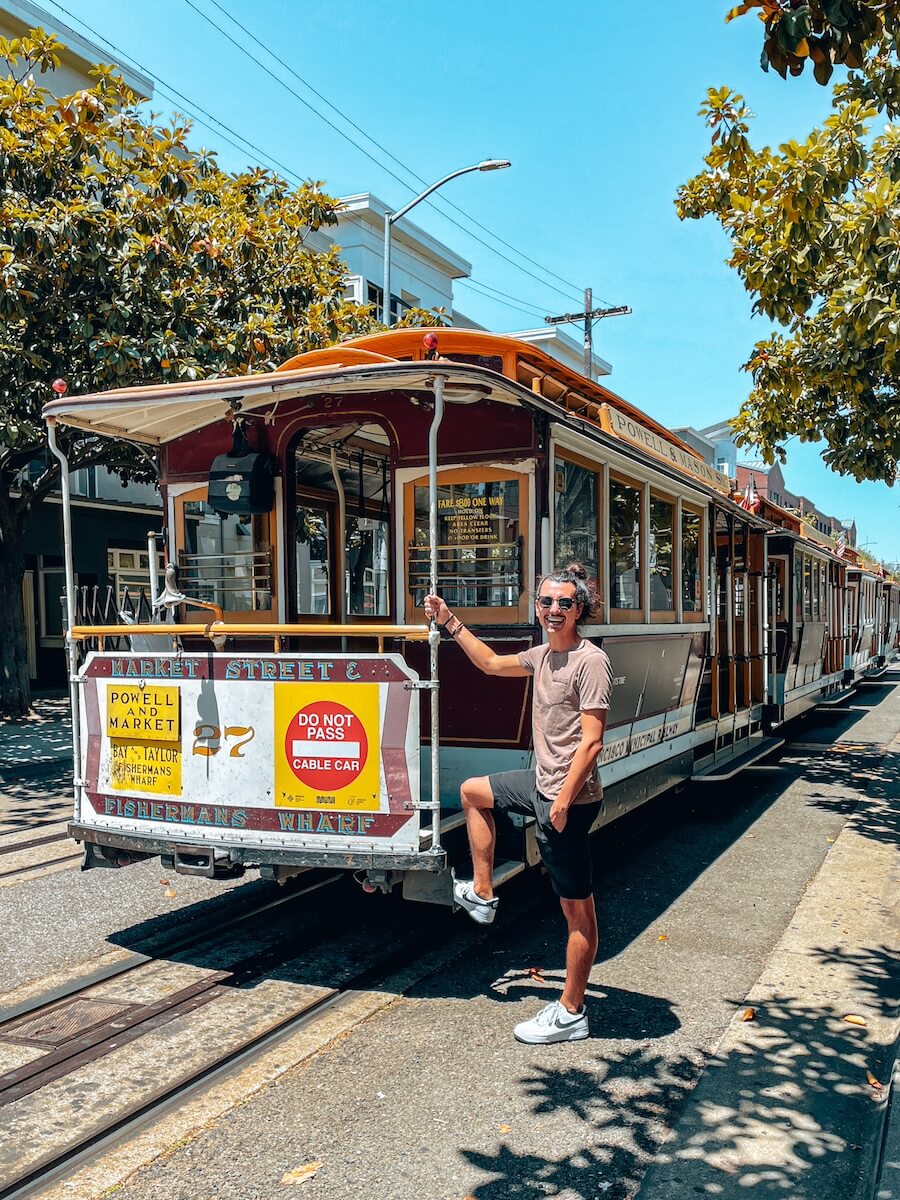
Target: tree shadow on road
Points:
(786, 1105)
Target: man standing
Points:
(572, 680)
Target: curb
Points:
(887, 1183)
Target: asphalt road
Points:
(433, 1097)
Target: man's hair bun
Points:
(576, 569)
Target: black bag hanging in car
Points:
(242, 481)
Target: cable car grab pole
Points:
(434, 636)
(70, 610)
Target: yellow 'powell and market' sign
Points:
(627, 430)
(143, 725)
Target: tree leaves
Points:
(814, 237)
(125, 257)
(826, 31)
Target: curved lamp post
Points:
(489, 164)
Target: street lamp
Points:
(489, 164)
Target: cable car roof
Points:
(161, 412)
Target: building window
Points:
(51, 583)
(624, 545)
(399, 306)
(129, 572)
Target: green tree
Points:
(823, 32)
(815, 238)
(126, 258)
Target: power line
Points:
(443, 199)
(169, 90)
(341, 133)
(502, 297)
(218, 126)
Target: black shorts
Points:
(566, 855)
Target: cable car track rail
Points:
(43, 1169)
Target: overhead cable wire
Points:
(371, 157)
(501, 297)
(503, 303)
(218, 126)
(179, 98)
(393, 157)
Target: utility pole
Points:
(589, 316)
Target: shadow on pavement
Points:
(784, 1113)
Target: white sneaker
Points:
(554, 1023)
(480, 910)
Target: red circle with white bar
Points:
(326, 745)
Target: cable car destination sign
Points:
(314, 750)
(627, 430)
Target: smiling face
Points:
(558, 620)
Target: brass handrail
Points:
(82, 633)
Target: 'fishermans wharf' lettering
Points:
(319, 822)
(176, 812)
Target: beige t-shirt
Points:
(566, 684)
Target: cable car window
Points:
(576, 513)
(807, 588)
(226, 558)
(798, 589)
(313, 538)
(661, 554)
(366, 552)
(479, 548)
(691, 570)
(624, 545)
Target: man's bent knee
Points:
(476, 793)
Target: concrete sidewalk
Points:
(796, 1101)
(37, 744)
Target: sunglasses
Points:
(564, 602)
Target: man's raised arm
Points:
(476, 650)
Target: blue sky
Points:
(593, 103)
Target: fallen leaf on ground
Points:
(853, 1019)
(164, 882)
(749, 1014)
(170, 893)
(663, 937)
(536, 973)
(301, 1174)
(872, 1081)
(505, 1128)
